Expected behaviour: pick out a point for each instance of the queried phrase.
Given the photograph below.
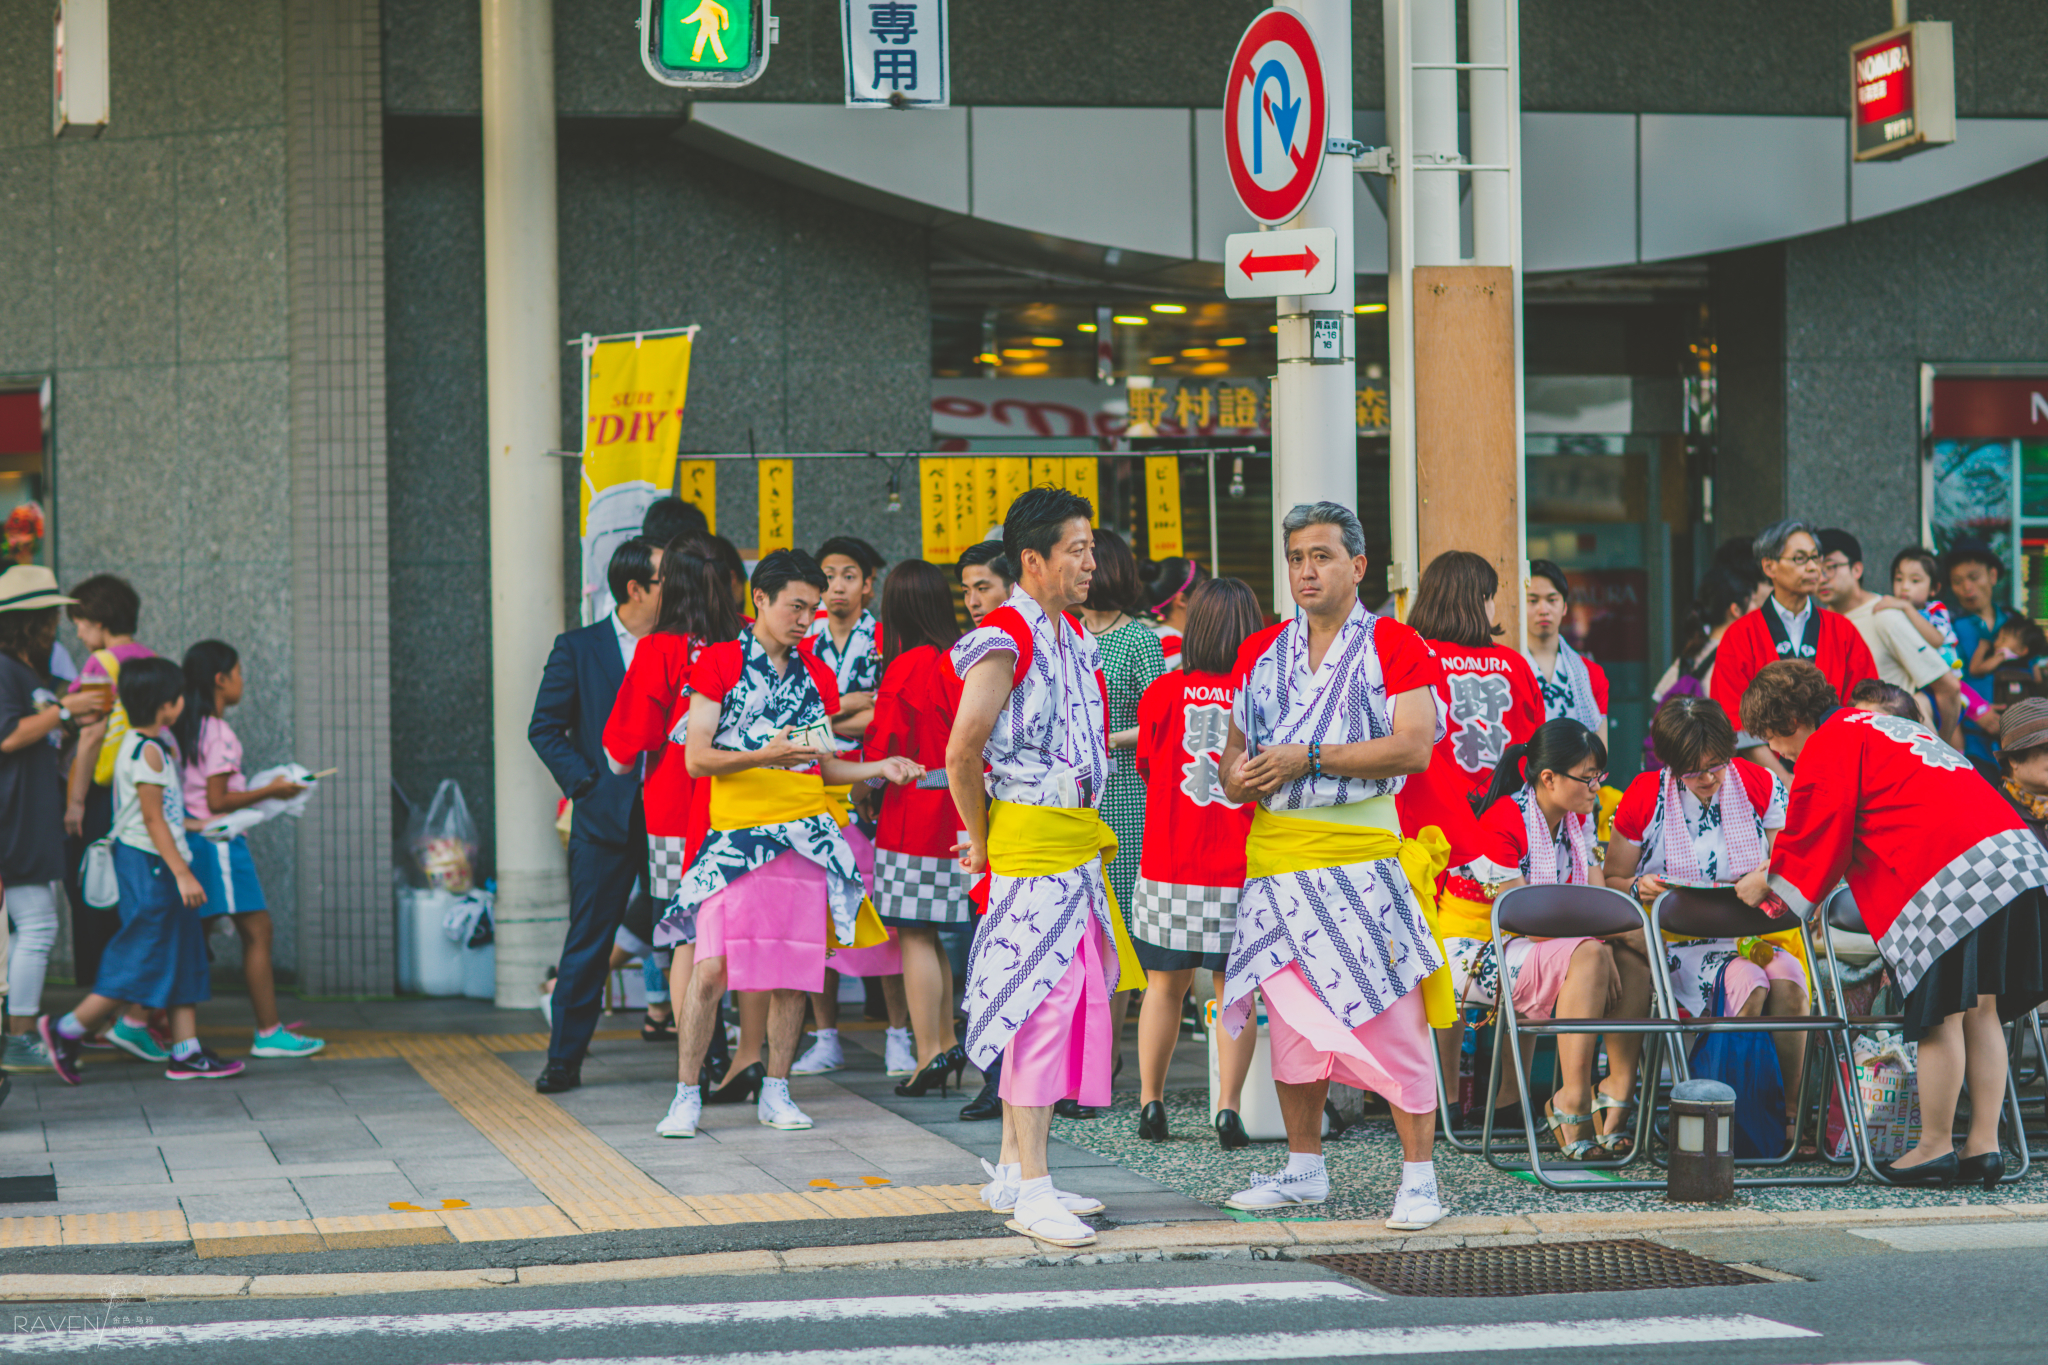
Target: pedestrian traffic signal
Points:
(705, 44)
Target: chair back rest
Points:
(1842, 912)
(1713, 914)
(1566, 912)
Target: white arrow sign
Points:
(1264, 265)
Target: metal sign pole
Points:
(1403, 570)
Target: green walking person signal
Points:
(714, 44)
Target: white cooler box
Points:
(1261, 1112)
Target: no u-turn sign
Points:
(1275, 116)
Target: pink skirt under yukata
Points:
(1063, 1050)
(1389, 1054)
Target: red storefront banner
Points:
(1994, 408)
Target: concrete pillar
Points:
(1315, 421)
(522, 328)
(1435, 36)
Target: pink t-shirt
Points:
(219, 752)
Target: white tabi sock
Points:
(825, 1035)
(1304, 1163)
(1030, 1191)
(686, 1092)
(1419, 1177)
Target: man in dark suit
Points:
(608, 830)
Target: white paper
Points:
(246, 819)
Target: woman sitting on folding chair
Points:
(1709, 818)
(1946, 876)
(1538, 824)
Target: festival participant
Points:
(1573, 685)
(1171, 591)
(918, 883)
(1032, 714)
(1539, 819)
(1791, 624)
(1945, 874)
(985, 578)
(1184, 913)
(1337, 710)
(648, 725)
(1708, 816)
(847, 639)
(773, 886)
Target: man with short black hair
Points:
(1905, 646)
(668, 520)
(985, 578)
(608, 828)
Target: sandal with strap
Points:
(1571, 1149)
(1621, 1141)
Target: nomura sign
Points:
(1902, 92)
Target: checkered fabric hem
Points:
(666, 864)
(908, 886)
(1975, 885)
(1190, 919)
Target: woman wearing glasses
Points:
(1711, 818)
(1539, 831)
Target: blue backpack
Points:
(1748, 1064)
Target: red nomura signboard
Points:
(1902, 91)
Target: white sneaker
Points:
(777, 1110)
(1044, 1219)
(823, 1055)
(1000, 1194)
(683, 1112)
(1281, 1191)
(899, 1057)
(1415, 1210)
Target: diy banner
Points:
(633, 417)
(1162, 506)
(777, 501)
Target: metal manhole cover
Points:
(1544, 1268)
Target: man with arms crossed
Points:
(1335, 923)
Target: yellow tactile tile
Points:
(508, 1225)
(751, 1208)
(270, 1228)
(100, 1229)
(615, 1215)
(31, 1232)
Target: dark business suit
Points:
(608, 831)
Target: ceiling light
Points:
(1370, 308)
(1161, 360)
(1020, 353)
(1048, 341)
(1085, 327)
(1274, 327)
(1129, 320)
(1169, 308)
(987, 358)
(1230, 341)
(1028, 369)
(1212, 367)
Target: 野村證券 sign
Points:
(1902, 92)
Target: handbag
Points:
(96, 878)
(1748, 1064)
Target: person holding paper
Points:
(773, 888)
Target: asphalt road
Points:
(1853, 1303)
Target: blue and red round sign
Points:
(1275, 116)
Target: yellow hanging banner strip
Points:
(697, 484)
(967, 498)
(778, 505)
(935, 509)
(1162, 506)
(1079, 479)
(1013, 480)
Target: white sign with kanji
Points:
(1265, 265)
(895, 54)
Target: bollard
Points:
(1702, 1143)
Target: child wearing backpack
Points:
(213, 787)
(157, 958)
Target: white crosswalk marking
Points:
(1306, 1293)
(1604, 1333)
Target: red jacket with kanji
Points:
(1194, 834)
(1840, 654)
(1493, 699)
(1929, 848)
(648, 718)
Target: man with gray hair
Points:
(1334, 926)
(1791, 624)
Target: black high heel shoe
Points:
(1937, 1174)
(1986, 1170)
(742, 1087)
(1152, 1121)
(930, 1074)
(1230, 1130)
(956, 1058)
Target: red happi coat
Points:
(1929, 849)
(1840, 654)
(1493, 699)
(648, 718)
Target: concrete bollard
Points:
(1702, 1143)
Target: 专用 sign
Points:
(1902, 92)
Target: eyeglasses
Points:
(1799, 561)
(1710, 773)
(1593, 782)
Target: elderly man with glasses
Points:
(1792, 624)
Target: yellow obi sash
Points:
(1791, 941)
(842, 804)
(1457, 917)
(1281, 843)
(1044, 841)
(775, 796)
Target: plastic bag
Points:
(444, 841)
(467, 920)
(1888, 1087)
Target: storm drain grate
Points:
(1545, 1268)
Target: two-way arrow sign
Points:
(1261, 265)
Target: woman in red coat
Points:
(919, 887)
(1947, 877)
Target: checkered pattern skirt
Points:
(666, 863)
(911, 889)
(1188, 919)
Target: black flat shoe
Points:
(932, 1073)
(742, 1087)
(1152, 1121)
(1073, 1109)
(1986, 1170)
(653, 1030)
(986, 1105)
(557, 1077)
(1230, 1130)
(1937, 1174)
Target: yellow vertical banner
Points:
(778, 503)
(1079, 478)
(1162, 506)
(935, 509)
(697, 484)
(1013, 479)
(988, 481)
(634, 409)
(1042, 470)
(968, 525)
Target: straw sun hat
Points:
(30, 587)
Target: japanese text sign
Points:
(895, 54)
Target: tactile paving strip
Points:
(1602, 1267)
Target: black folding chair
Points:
(1722, 915)
(1839, 911)
(1565, 912)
